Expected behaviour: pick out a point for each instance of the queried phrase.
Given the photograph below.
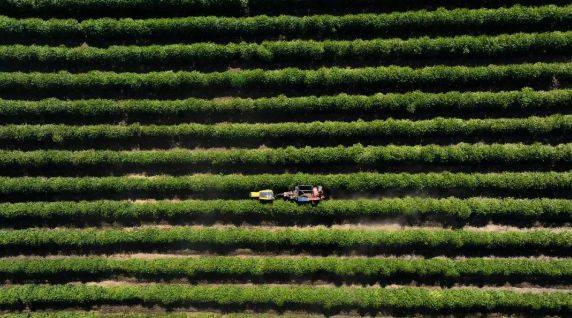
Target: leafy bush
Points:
(325, 299)
(196, 211)
(551, 184)
(294, 53)
(277, 108)
(324, 80)
(312, 239)
(398, 24)
(227, 134)
(357, 156)
(496, 271)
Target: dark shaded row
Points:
(175, 8)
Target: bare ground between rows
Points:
(316, 249)
(519, 283)
(555, 137)
(390, 225)
(176, 169)
(523, 287)
(141, 312)
(246, 254)
(273, 220)
(176, 64)
(279, 116)
(174, 36)
(259, 219)
(45, 195)
(118, 91)
(160, 312)
(285, 308)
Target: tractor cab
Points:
(304, 189)
(263, 195)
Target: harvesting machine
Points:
(305, 194)
(301, 194)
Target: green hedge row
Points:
(323, 299)
(238, 186)
(277, 108)
(297, 81)
(213, 268)
(177, 30)
(210, 55)
(357, 156)
(130, 8)
(285, 133)
(321, 239)
(412, 208)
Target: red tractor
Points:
(305, 194)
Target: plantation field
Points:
(133, 131)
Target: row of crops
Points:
(325, 299)
(440, 271)
(552, 128)
(414, 210)
(519, 184)
(414, 104)
(133, 131)
(354, 157)
(222, 29)
(271, 54)
(312, 240)
(258, 82)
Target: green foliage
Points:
(323, 79)
(268, 53)
(498, 210)
(402, 24)
(241, 133)
(264, 109)
(238, 186)
(203, 36)
(359, 157)
(408, 241)
(324, 299)
(386, 271)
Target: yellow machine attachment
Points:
(263, 195)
